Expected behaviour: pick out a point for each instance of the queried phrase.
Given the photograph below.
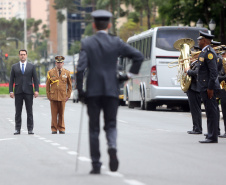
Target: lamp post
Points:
(199, 23)
(212, 26)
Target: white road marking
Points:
(114, 174)
(48, 141)
(10, 120)
(42, 138)
(72, 153)
(123, 121)
(55, 144)
(85, 159)
(63, 148)
(133, 182)
(7, 139)
(163, 130)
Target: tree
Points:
(75, 48)
(185, 11)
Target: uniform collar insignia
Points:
(201, 59)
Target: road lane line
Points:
(85, 159)
(164, 130)
(48, 141)
(41, 138)
(72, 153)
(114, 174)
(123, 121)
(7, 139)
(63, 148)
(55, 144)
(133, 182)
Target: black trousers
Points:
(109, 105)
(194, 100)
(19, 99)
(223, 106)
(212, 114)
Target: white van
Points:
(156, 83)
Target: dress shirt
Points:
(25, 63)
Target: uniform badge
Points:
(210, 56)
(201, 59)
(64, 76)
(218, 60)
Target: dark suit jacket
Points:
(208, 73)
(99, 54)
(23, 82)
(193, 72)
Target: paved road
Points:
(153, 148)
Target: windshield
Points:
(167, 37)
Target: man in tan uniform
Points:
(58, 90)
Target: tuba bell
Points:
(184, 45)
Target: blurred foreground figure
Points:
(99, 54)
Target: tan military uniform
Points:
(58, 89)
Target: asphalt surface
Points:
(153, 149)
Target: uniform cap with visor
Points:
(203, 35)
(59, 59)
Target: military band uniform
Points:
(208, 79)
(222, 77)
(99, 54)
(58, 89)
(194, 99)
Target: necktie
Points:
(59, 72)
(22, 68)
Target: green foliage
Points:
(129, 29)
(75, 48)
(134, 16)
(88, 30)
(5, 90)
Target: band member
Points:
(222, 80)
(219, 68)
(208, 81)
(194, 98)
(58, 90)
(99, 54)
(23, 74)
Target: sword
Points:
(79, 139)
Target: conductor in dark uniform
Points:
(209, 85)
(99, 54)
(194, 97)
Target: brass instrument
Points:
(223, 84)
(184, 46)
(193, 56)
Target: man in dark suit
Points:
(194, 98)
(99, 54)
(23, 74)
(209, 85)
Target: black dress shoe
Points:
(30, 132)
(17, 132)
(54, 132)
(205, 134)
(95, 171)
(208, 141)
(113, 164)
(61, 132)
(223, 136)
(194, 132)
